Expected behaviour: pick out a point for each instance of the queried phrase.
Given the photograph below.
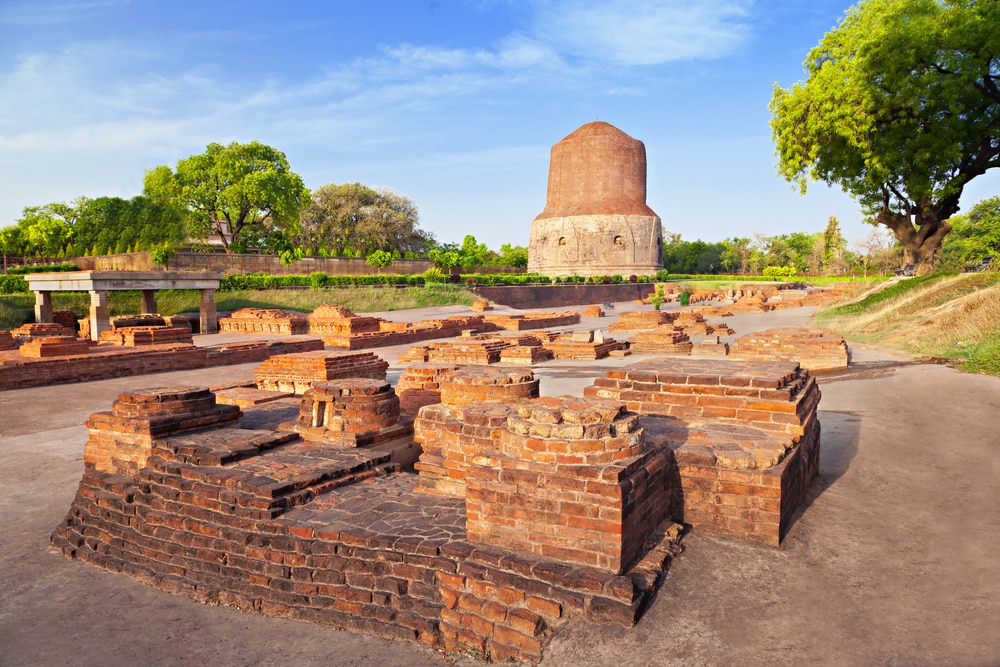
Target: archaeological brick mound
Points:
(596, 221)
(523, 513)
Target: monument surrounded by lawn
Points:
(596, 221)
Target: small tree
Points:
(379, 259)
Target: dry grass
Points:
(943, 316)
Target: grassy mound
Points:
(951, 316)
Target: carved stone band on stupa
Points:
(596, 221)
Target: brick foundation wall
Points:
(101, 363)
(264, 321)
(560, 296)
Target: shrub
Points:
(42, 268)
(13, 285)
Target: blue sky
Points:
(454, 104)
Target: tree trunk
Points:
(921, 241)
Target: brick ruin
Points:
(522, 512)
(815, 349)
(69, 359)
(745, 437)
(264, 321)
(296, 373)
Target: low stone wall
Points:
(556, 296)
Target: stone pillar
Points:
(43, 306)
(148, 302)
(100, 316)
(209, 321)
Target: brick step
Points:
(218, 447)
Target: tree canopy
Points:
(976, 234)
(94, 226)
(355, 220)
(901, 108)
(237, 193)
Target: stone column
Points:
(148, 302)
(100, 315)
(43, 306)
(209, 321)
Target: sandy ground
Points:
(893, 560)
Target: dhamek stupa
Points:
(596, 221)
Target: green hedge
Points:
(42, 268)
(13, 284)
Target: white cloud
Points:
(644, 32)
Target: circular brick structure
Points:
(573, 431)
(163, 402)
(478, 385)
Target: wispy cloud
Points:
(36, 13)
(644, 32)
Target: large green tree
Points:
(901, 108)
(233, 193)
(356, 220)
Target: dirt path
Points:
(894, 559)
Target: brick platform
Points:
(582, 345)
(298, 372)
(401, 333)
(30, 331)
(57, 346)
(663, 340)
(121, 440)
(420, 385)
(640, 320)
(151, 335)
(730, 420)
(573, 482)
(525, 355)
(815, 349)
(737, 480)
(710, 347)
(779, 397)
(7, 341)
(339, 320)
(264, 321)
(462, 352)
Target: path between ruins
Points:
(892, 560)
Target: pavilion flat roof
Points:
(85, 281)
